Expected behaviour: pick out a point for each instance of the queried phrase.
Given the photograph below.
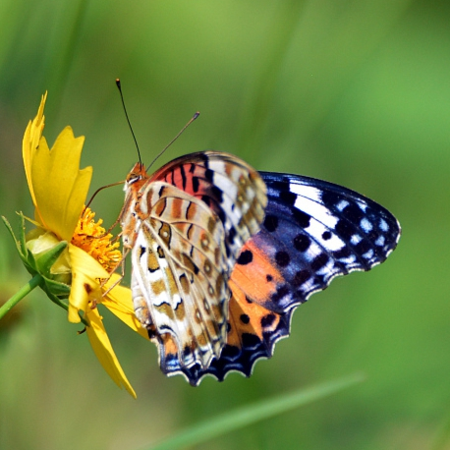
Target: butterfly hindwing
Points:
(179, 273)
(313, 231)
(185, 226)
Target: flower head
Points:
(72, 251)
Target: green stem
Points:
(19, 295)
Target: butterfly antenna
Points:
(99, 190)
(119, 86)
(174, 139)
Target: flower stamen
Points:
(91, 237)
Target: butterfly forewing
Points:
(228, 185)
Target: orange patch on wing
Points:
(239, 307)
(252, 286)
(176, 208)
(170, 347)
(257, 279)
(191, 211)
(160, 206)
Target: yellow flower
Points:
(58, 189)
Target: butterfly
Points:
(222, 255)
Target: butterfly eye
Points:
(132, 178)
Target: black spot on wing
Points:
(268, 320)
(244, 318)
(301, 242)
(326, 235)
(245, 257)
(282, 258)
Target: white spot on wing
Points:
(309, 200)
(368, 254)
(383, 225)
(366, 225)
(347, 260)
(316, 230)
(362, 206)
(342, 205)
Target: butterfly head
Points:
(137, 177)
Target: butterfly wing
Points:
(185, 244)
(179, 272)
(313, 231)
(228, 185)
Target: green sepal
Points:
(56, 288)
(45, 260)
(20, 245)
(42, 263)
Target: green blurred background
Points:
(354, 92)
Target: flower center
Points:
(90, 236)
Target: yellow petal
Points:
(58, 188)
(85, 284)
(30, 142)
(119, 302)
(103, 350)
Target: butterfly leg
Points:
(120, 264)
